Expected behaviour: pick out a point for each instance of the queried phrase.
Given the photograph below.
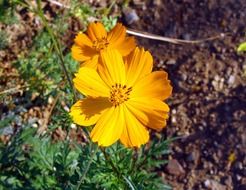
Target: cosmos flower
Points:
(88, 47)
(123, 100)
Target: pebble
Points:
(171, 62)
(173, 119)
(35, 125)
(160, 64)
(194, 157)
(73, 126)
(231, 80)
(238, 177)
(174, 168)
(214, 185)
(130, 16)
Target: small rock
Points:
(238, 177)
(174, 168)
(214, 185)
(194, 157)
(130, 15)
(35, 125)
(171, 62)
(217, 78)
(173, 119)
(160, 64)
(73, 126)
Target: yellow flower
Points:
(87, 48)
(122, 99)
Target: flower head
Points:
(122, 99)
(87, 48)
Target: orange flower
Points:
(87, 48)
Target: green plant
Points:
(34, 162)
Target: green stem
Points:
(56, 46)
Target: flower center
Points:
(100, 44)
(119, 94)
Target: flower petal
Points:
(154, 85)
(88, 82)
(118, 40)
(96, 31)
(134, 133)
(111, 68)
(138, 64)
(82, 40)
(82, 53)
(127, 46)
(86, 112)
(91, 63)
(109, 127)
(117, 35)
(151, 112)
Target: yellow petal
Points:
(138, 64)
(88, 82)
(127, 46)
(91, 63)
(150, 112)
(118, 40)
(117, 35)
(154, 85)
(82, 40)
(134, 133)
(111, 68)
(82, 53)
(86, 112)
(96, 31)
(109, 127)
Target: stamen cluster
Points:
(119, 94)
(100, 44)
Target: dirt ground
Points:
(208, 112)
(209, 98)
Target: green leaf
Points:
(242, 47)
